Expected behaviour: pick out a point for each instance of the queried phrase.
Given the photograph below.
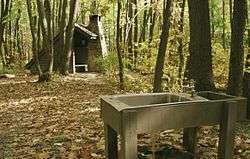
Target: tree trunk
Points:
(62, 26)
(33, 29)
(53, 17)
(163, 46)
(42, 19)
(136, 29)
(223, 25)
(152, 22)
(118, 34)
(248, 34)
(200, 45)
(237, 48)
(130, 34)
(212, 20)
(246, 91)
(69, 36)
(180, 39)
(9, 42)
(59, 13)
(145, 22)
(246, 78)
(45, 22)
(231, 11)
(18, 39)
(50, 44)
(4, 13)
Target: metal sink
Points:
(132, 101)
(205, 108)
(129, 115)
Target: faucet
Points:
(190, 88)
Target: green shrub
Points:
(4, 70)
(108, 64)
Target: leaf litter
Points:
(61, 119)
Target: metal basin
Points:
(122, 102)
(129, 115)
(180, 110)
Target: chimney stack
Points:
(94, 18)
(94, 21)
(95, 25)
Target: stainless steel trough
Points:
(129, 115)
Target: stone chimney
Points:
(94, 21)
(95, 25)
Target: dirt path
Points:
(62, 120)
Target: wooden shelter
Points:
(88, 44)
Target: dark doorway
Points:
(81, 59)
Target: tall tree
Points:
(153, 17)
(223, 25)
(130, 34)
(181, 4)
(237, 48)
(163, 46)
(5, 5)
(50, 43)
(200, 61)
(145, 21)
(33, 28)
(45, 22)
(118, 35)
(69, 36)
(136, 29)
(62, 25)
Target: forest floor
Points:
(61, 119)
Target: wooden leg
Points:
(111, 145)
(190, 139)
(129, 136)
(227, 125)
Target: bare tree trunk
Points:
(163, 46)
(180, 39)
(45, 21)
(18, 39)
(59, 13)
(69, 36)
(33, 29)
(152, 22)
(42, 19)
(246, 77)
(50, 44)
(53, 18)
(248, 34)
(4, 13)
(200, 45)
(145, 22)
(119, 55)
(231, 11)
(8, 41)
(62, 26)
(212, 21)
(136, 34)
(237, 48)
(223, 25)
(130, 34)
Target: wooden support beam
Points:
(129, 135)
(190, 139)
(227, 126)
(111, 145)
